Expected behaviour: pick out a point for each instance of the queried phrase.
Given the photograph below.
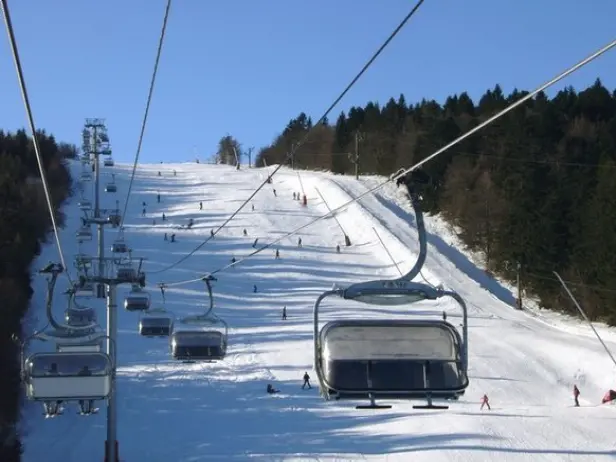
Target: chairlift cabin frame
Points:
(157, 322)
(85, 205)
(119, 246)
(84, 234)
(395, 358)
(83, 261)
(79, 316)
(137, 300)
(203, 342)
(68, 381)
(202, 337)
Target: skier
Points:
(175, 173)
(277, 254)
(254, 244)
(158, 198)
(212, 232)
(485, 402)
(200, 205)
(173, 237)
(306, 380)
(576, 394)
(271, 390)
(164, 217)
(444, 316)
(245, 232)
(166, 238)
(233, 260)
(254, 288)
(338, 249)
(274, 193)
(284, 313)
(299, 242)
(143, 212)
(294, 196)
(253, 207)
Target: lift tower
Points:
(95, 144)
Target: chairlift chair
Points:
(85, 205)
(114, 218)
(202, 337)
(156, 323)
(68, 376)
(206, 344)
(119, 246)
(111, 188)
(126, 272)
(137, 300)
(86, 176)
(83, 261)
(79, 316)
(108, 162)
(395, 358)
(84, 234)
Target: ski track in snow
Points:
(527, 362)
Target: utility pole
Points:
(95, 143)
(358, 137)
(250, 156)
(133, 277)
(519, 299)
(293, 145)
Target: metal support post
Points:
(100, 288)
(358, 138)
(111, 445)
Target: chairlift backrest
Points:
(73, 364)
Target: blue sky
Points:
(246, 67)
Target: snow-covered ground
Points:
(526, 362)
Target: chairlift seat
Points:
(158, 325)
(198, 345)
(84, 233)
(86, 176)
(83, 261)
(68, 382)
(108, 163)
(79, 317)
(137, 301)
(127, 274)
(85, 205)
(395, 358)
(119, 246)
(111, 188)
(115, 219)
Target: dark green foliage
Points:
(535, 187)
(24, 224)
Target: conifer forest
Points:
(531, 193)
(24, 227)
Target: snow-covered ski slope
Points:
(527, 365)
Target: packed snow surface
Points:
(526, 362)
